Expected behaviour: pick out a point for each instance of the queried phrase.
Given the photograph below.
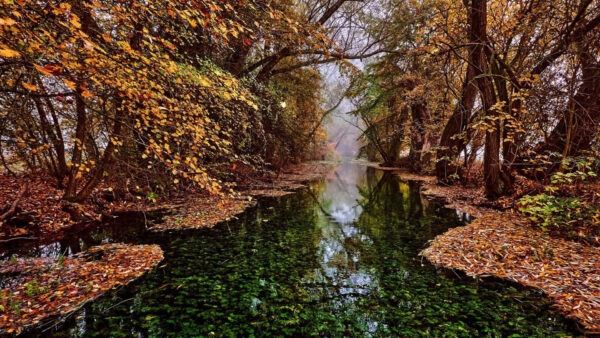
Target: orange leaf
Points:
(71, 84)
(29, 86)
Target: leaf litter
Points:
(201, 211)
(35, 289)
(507, 245)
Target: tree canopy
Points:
(172, 91)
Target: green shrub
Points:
(576, 169)
(551, 210)
(556, 212)
(32, 288)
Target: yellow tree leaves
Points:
(139, 74)
(127, 57)
(8, 53)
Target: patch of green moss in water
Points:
(340, 259)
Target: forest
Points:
(181, 117)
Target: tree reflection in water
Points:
(338, 259)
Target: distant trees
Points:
(162, 92)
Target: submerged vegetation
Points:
(340, 259)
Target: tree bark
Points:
(107, 159)
(56, 137)
(77, 154)
(583, 113)
(80, 110)
(420, 138)
(451, 143)
(491, 156)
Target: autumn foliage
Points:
(512, 86)
(137, 90)
(44, 287)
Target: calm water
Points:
(338, 259)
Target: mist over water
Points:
(343, 128)
(344, 134)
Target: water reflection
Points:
(340, 259)
(125, 229)
(342, 196)
(341, 278)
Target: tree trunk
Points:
(491, 157)
(420, 138)
(55, 134)
(583, 113)
(452, 143)
(235, 62)
(77, 154)
(80, 109)
(509, 135)
(107, 159)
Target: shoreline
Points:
(504, 244)
(496, 244)
(38, 290)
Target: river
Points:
(339, 258)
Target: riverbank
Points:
(38, 289)
(505, 244)
(201, 211)
(33, 208)
(285, 266)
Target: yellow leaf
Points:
(43, 70)
(87, 94)
(71, 84)
(8, 53)
(7, 22)
(75, 21)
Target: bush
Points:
(562, 213)
(554, 208)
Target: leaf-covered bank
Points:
(337, 259)
(195, 212)
(41, 215)
(506, 244)
(34, 289)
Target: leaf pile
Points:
(467, 200)
(206, 211)
(269, 192)
(36, 288)
(405, 174)
(40, 212)
(408, 176)
(202, 211)
(504, 245)
(507, 245)
(42, 204)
